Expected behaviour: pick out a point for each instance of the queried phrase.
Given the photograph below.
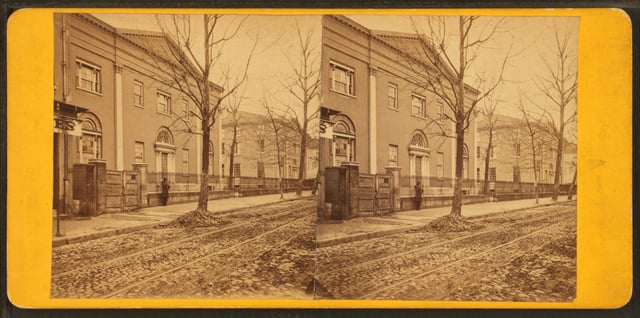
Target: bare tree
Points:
(487, 111)
(559, 87)
(534, 135)
(192, 65)
(277, 128)
(235, 100)
(304, 86)
(446, 74)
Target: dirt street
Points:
(514, 256)
(260, 252)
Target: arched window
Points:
(165, 152)
(344, 140)
(164, 137)
(91, 140)
(419, 157)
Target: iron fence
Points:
(191, 182)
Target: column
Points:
(119, 118)
(373, 153)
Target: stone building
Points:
(111, 108)
(511, 165)
(375, 115)
(256, 152)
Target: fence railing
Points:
(444, 186)
(191, 182)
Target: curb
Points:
(364, 236)
(57, 242)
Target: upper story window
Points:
(88, 77)
(164, 103)
(392, 101)
(342, 79)
(418, 106)
(138, 94)
(441, 115)
(186, 112)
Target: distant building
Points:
(511, 155)
(256, 152)
(377, 117)
(109, 105)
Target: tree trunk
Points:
(232, 155)
(487, 157)
(456, 205)
(303, 155)
(203, 197)
(558, 172)
(573, 184)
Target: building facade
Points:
(511, 157)
(255, 153)
(376, 116)
(110, 106)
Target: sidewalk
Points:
(108, 224)
(362, 228)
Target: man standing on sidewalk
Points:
(418, 198)
(164, 195)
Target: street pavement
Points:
(331, 233)
(82, 229)
(327, 232)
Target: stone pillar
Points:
(373, 140)
(119, 118)
(143, 190)
(394, 171)
(353, 189)
(98, 183)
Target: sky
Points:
(525, 39)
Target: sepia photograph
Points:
(448, 156)
(185, 155)
(315, 157)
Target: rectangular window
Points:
(392, 101)
(518, 150)
(185, 109)
(164, 103)
(138, 94)
(478, 152)
(441, 114)
(516, 174)
(492, 174)
(237, 148)
(478, 173)
(341, 79)
(440, 166)
(393, 155)
(139, 152)
(185, 161)
(88, 77)
(493, 152)
(418, 106)
(236, 169)
(222, 149)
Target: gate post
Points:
(395, 187)
(353, 189)
(98, 181)
(141, 168)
